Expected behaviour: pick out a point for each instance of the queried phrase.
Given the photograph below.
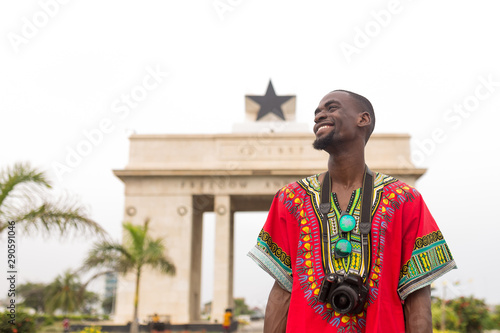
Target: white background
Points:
(415, 61)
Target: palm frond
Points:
(20, 173)
(111, 256)
(83, 287)
(135, 236)
(163, 265)
(49, 217)
(25, 198)
(154, 256)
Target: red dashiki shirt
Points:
(407, 252)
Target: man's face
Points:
(336, 120)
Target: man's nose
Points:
(319, 116)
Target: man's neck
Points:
(346, 170)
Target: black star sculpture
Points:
(270, 103)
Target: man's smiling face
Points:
(336, 120)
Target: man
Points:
(226, 324)
(158, 326)
(337, 267)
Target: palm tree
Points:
(24, 193)
(65, 293)
(138, 250)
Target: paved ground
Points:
(253, 327)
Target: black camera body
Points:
(346, 294)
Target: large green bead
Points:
(342, 248)
(347, 222)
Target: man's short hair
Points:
(366, 106)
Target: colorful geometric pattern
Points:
(430, 258)
(262, 256)
(274, 249)
(309, 266)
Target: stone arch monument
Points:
(174, 179)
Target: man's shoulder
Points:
(382, 179)
(310, 183)
(392, 186)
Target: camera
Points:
(346, 294)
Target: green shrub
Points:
(22, 323)
(48, 320)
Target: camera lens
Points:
(343, 299)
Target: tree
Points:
(33, 295)
(65, 293)
(240, 307)
(26, 199)
(494, 322)
(472, 313)
(450, 317)
(138, 250)
(89, 301)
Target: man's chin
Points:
(319, 145)
(322, 143)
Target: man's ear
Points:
(364, 119)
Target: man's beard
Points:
(324, 142)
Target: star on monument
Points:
(270, 103)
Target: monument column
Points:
(223, 261)
(195, 277)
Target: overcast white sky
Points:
(429, 68)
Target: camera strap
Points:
(364, 224)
